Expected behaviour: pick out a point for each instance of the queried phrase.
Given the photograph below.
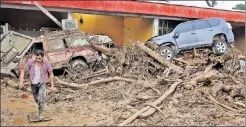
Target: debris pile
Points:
(214, 77)
(143, 86)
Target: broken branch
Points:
(74, 85)
(103, 49)
(158, 101)
(222, 105)
(239, 103)
(157, 108)
(181, 60)
(160, 59)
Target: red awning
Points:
(137, 7)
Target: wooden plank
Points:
(33, 117)
(48, 14)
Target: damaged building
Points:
(134, 21)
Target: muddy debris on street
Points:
(137, 87)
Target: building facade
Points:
(123, 21)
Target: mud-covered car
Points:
(13, 47)
(215, 33)
(69, 50)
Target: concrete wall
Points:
(239, 34)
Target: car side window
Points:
(200, 25)
(55, 44)
(214, 22)
(182, 28)
(76, 41)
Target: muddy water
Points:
(14, 111)
(17, 109)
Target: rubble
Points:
(207, 86)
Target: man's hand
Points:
(52, 89)
(21, 85)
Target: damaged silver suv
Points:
(211, 32)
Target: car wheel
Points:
(78, 66)
(220, 47)
(167, 52)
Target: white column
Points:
(155, 27)
(69, 15)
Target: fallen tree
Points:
(159, 58)
(103, 49)
(158, 101)
(85, 85)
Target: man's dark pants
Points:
(38, 91)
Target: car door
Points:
(186, 36)
(204, 33)
(57, 53)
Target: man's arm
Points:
(51, 79)
(50, 70)
(23, 66)
(22, 73)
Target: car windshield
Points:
(14, 41)
(76, 41)
(55, 44)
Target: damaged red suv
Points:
(65, 50)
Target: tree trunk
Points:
(158, 101)
(103, 49)
(160, 59)
(85, 85)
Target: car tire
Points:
(220, 47)
(78, 65)
(167, 52)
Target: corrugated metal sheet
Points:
(142, 8)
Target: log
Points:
(130, 76)
(157, 108)
(95, 75)
(85, 85)
(203, 77)
(208, 68)
(158, 101)
(148, 112)
(241, 57)
(103, 49)
(145, 97)
(239, 103)
(181, 60)
(151, 45)
(220, 104)
(47, 13)
(159, 58)
(133, 117)
(153, 110)
(131, 109)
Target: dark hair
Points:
(39, 52)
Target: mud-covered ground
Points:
(211, 93)
(103, 105)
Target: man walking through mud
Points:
(38, 70)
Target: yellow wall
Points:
(111, 26)
(122, 30)
(137, 29)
